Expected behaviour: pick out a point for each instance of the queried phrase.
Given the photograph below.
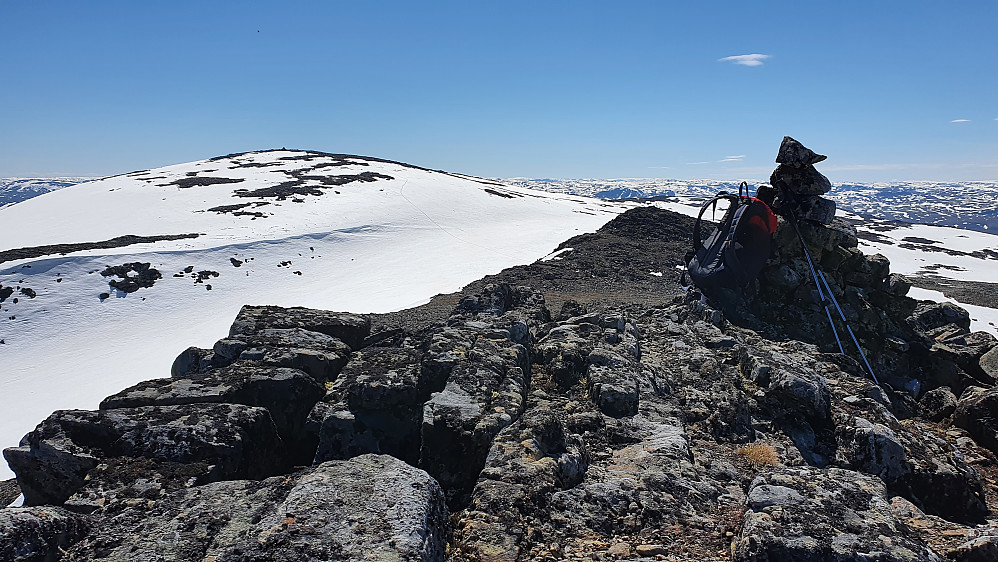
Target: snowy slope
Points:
(322, 231)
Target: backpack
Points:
(734, 254)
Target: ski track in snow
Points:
(370, 248)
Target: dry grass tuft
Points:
(759, 454)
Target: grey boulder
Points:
(236, 441)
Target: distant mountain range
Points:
(15, 190)
(968, 205)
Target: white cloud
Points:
(738, 158)
(696, 163)
(659, 167)
(746, 60)
(960, 121)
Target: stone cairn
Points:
(913, 345)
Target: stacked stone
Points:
(797, 179)
(832, 242)
(887, 322)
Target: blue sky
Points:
(500, 89)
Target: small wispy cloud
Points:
(696, 163)
(658, 167)
(746, 60)
(738, 158)
(960, 121)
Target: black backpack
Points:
(734, 254)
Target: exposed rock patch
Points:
(63, 249)
(132, 276)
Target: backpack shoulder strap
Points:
(697, 226)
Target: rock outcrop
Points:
(490, 428)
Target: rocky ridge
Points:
(499, 424)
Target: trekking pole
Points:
(852, 335)
(821, 294)
(815, 274)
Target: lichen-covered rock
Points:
(352, 329)
(375, 406)
(989, 363)
(981, 546)
(483, 395)
(192, 360)
(872, 448)
(938, 403)
(976, 412)
(897, 284)
(930, 315)
(832, 514)
(802, 180)
(236, 441)
(793, 153)
(9, 492)
(614, 389)
(37, 534)
(288, 394)
(817, 209)
(315, 353)
(371, 507)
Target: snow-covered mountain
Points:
(106, 282)
(15, 190)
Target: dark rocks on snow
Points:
(143, 278)
(304, 184)
(62, 249)
(195, 181)
(204, 275)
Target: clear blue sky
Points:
(535, 89)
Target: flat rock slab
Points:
(317, 354)
(237, 441)
(39, 533)
(371, 507)
(288, 394)
(803, 180)
(350, 328)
